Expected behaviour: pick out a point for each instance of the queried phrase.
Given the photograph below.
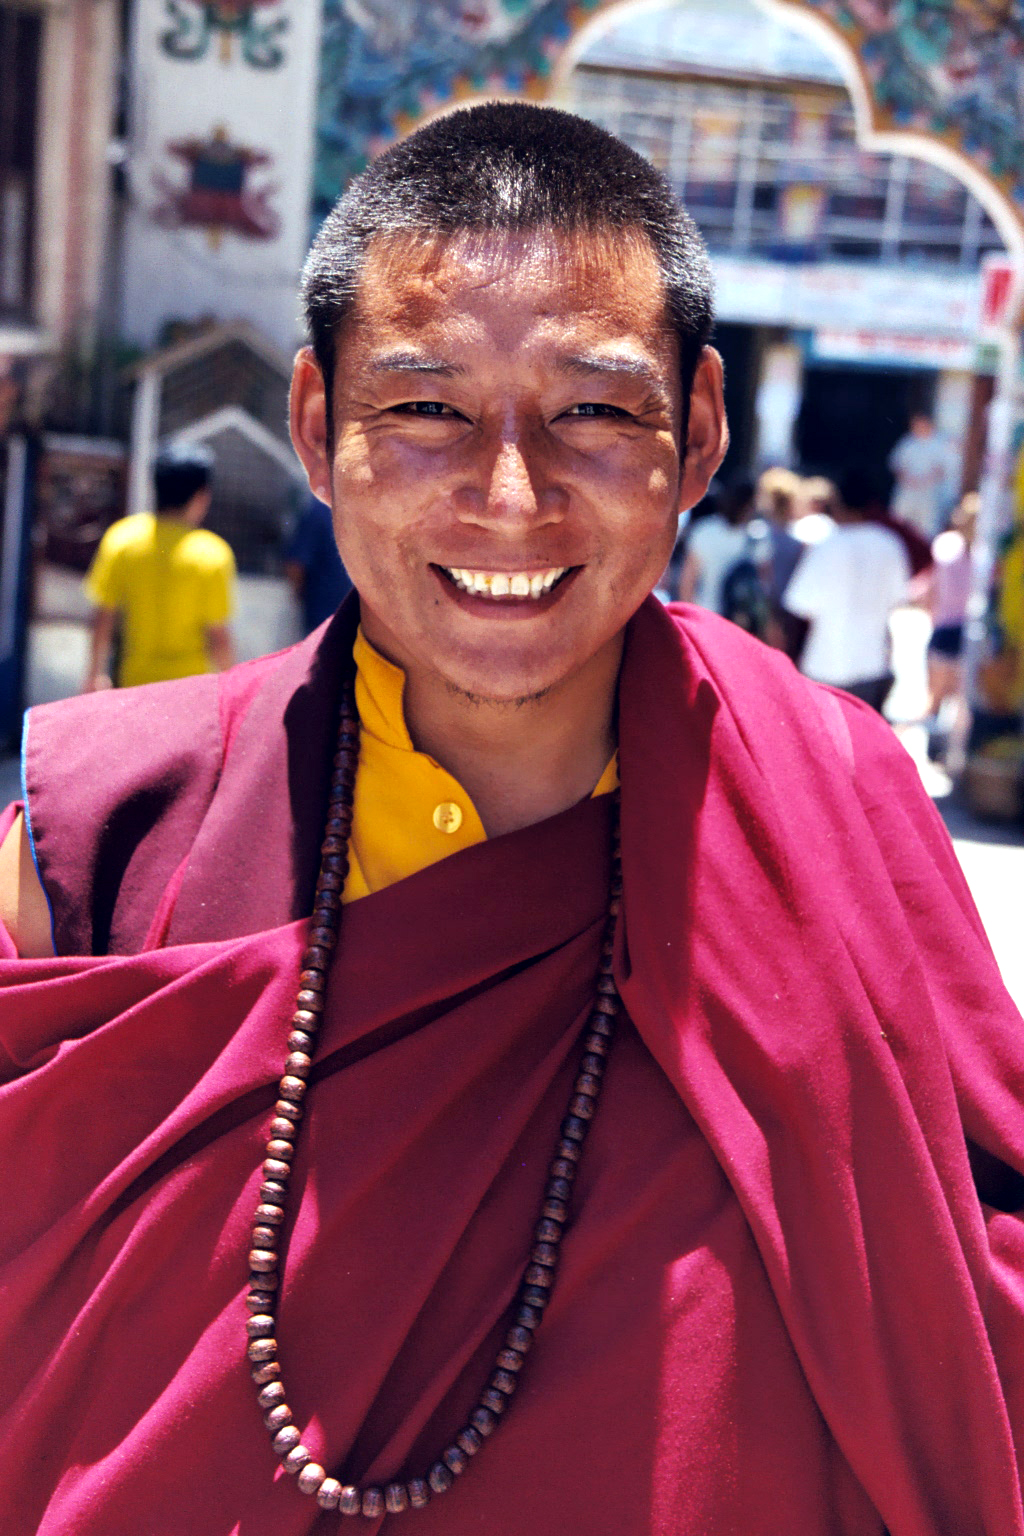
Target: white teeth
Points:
(505, 584)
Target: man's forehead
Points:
(596, 279)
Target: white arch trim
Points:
(885, 141)
(233, 417)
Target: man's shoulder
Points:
(128, 533)
(208, 550)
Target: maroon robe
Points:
(782, 1306)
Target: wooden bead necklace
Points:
(265, 1260)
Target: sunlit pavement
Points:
(991, 854)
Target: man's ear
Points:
(707, 435)
(307, 410)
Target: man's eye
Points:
(594, 408)
(424, 408)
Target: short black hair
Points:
(179, 471)
(508, 166)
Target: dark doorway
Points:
(857, 415)
(737, 344)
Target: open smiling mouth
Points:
(505, 586)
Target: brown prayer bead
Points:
(259, 1301)
(548, 1231)
(286, 1439)
(582, 1107)
(504, 1381)
(557, 1210)
(468, 1440)
(373, 1503)
(396, 1498)
(588, 1085)
(592, 1066)
(597, 1045)
(534, 1296)
(520, 1337)
(311, 1476)
(288, 1110)
(310, 1000)
(575, 1127)
(265, 1237)
(483, 1421)
(279, 1148)
(282, 1130)
(334, 864)
(509, 1360)
(298, 1064)
(296, 1459)
(276, 1170)
(545, 1253)
(269, 1370)
(329, 882)
(439, 1477)
(315, 960)
(455, 1459)
(328, 1494)
(491, 1398)
(312, 973)
(292, 1088)
(272, 1394)
(270, 1215)
(350, 1502)
(262, 1350)
(419, 1492)
(262, 1259)
(334, 845)
(570, 1150)
(558, 1189)
(536, 1274)
(277, 1417)
(600, 1025)
(264, 1282)
(607, 987)
(260, 1326)
(306, 1020)
(324, 938)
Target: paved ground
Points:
(992, 856)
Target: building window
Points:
(20, 33)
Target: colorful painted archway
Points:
(940, 78)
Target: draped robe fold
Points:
(782, 1306)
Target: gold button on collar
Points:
(447, 816)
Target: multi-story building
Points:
(848, 281)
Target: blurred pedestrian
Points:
(313, 565)
(778, 503)
(846, 586)
(715, 544)
(861, 488)
(162, 585)
(815, 502)
(946, 593)
(922, 462)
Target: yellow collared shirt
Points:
(409, 811)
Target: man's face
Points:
(505, 468)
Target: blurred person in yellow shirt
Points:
(166, 581)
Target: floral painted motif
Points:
(195, 23)
(217, 196)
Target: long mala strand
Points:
(265, 1260)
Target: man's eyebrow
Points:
(598, 362)
(415, 362)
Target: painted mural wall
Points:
(951, 68)
(220, 163)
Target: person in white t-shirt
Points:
(847, 587)
(714, 545)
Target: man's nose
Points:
(517, 485)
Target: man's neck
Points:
(520, 762)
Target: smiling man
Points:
(523, 1060)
